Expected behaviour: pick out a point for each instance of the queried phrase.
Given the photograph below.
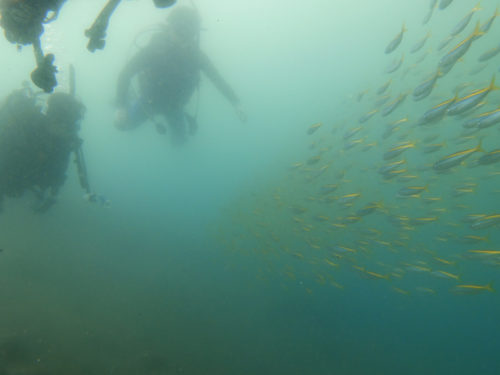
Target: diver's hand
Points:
(242, 116)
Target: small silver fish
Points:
(396, 41)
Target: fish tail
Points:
(477, 7)
(479, 147)
(492, 84)
(477, 31)
(489, 287)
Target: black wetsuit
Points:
(23, 20)
(168, 73)
(31, 156)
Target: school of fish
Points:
(403, 187)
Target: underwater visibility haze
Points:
(350, 225)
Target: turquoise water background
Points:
(172, 279)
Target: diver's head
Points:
(163, 3)
(64, 114)
(185, 23)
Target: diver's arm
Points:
(134, 66)
(212, 73)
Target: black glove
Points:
(44, 76)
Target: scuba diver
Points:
(168, 73)
(22, 21)
(97, 32)
(35, 145)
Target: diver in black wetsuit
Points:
(168, 71)
(35, 147)
(22, 21)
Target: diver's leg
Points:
(44, 75)
(97, 32)
(177, 123)
(163, 3)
